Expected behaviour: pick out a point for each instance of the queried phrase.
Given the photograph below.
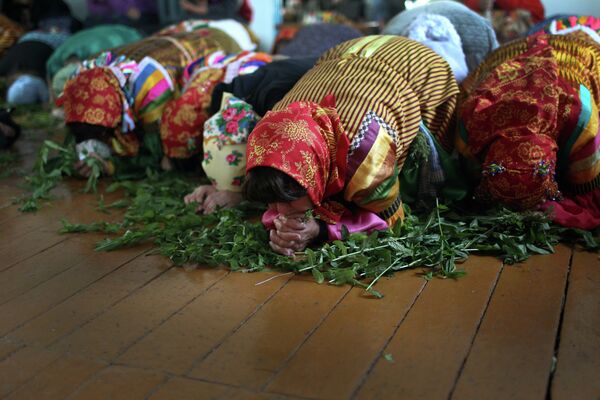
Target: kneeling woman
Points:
(116, 100)
(529, 127)
(331, 152)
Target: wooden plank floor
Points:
(76, 324)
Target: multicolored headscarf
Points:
(135, 92)
(565, 25)
(307, 142)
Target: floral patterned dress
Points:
(225, 137)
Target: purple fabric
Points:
(359, 155)
(119, 7)
(359, 221)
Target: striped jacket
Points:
(385, 87)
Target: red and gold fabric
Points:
(95, 97)
(531, 121)
(183, 119)
(307, 142)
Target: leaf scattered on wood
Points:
(437, 242)
(54, 162)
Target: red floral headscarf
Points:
(94, 97)
(182, 122)
(511, 121)
(307, 142)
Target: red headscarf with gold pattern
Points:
(307, 142)
(511, 120)
(94, 97)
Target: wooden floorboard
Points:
(27, 274)
(58, 380)
(114, 331)
(354, 333)
(256, 351)
(119, 383)
(202, 325)
(44, 297)
(90, 302)
(40, 230)
(79, 324)
(184, 388)
(12, 252)
(577, 373)
(430, 346)
(22, 366)
(511, 357)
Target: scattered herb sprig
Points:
(438, 242)
(53, 163)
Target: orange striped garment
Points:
(384, 88)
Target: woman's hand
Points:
(199, 195)
(84, 170)
(221, 199)
(292, 234)
(209, 198)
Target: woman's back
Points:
(390, 79)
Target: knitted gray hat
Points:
(477, 35)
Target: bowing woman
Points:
(331, 152)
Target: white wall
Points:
(266, 16)
(581, 7)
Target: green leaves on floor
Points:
(54, 162)
(436, 242)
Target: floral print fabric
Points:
(225, 137)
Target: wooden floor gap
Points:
(108, 307)
(31, 378)
(39, 283)
(385, 345)
(312, 331)
(72, 294)
(487, 304)
(124, 350)
(199, 360)
(559, 327)
(85, 381)
(34, 254)
(11, 353)
(156, 388)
